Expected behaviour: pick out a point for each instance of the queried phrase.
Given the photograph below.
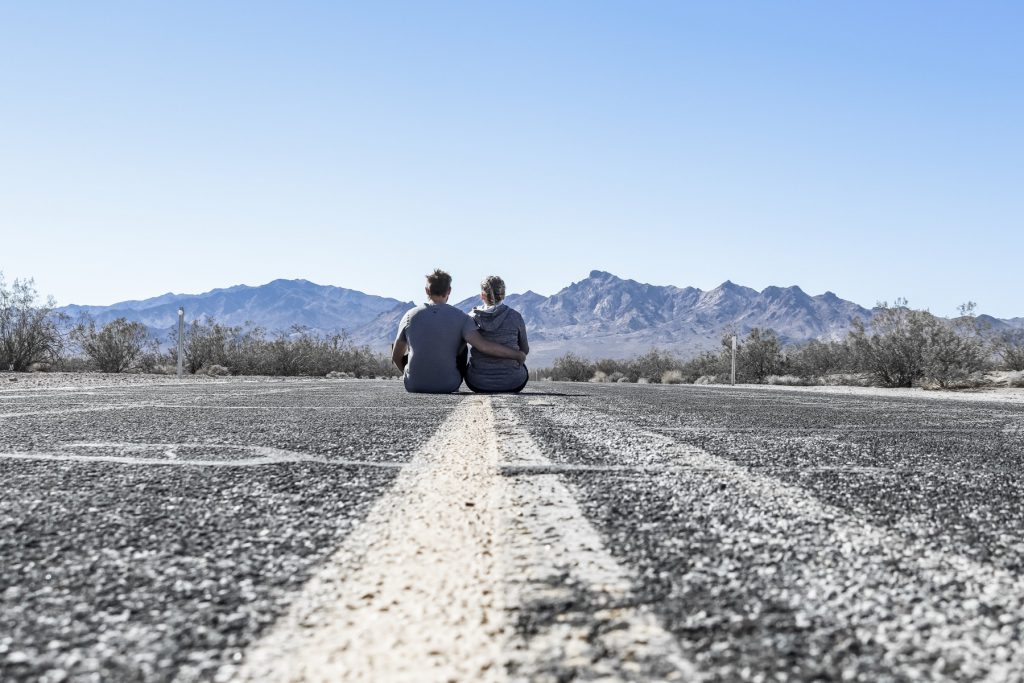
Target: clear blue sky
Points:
(875, 149)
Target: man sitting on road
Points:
(432, 336)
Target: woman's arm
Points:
(524, 345)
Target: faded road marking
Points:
(435, 584)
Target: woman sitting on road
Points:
(503, 325)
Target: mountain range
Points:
(599, 316)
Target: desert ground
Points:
(304, 529)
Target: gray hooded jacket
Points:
(504, 326)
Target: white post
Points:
(734, 342)
(181, 338)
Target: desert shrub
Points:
(905, 347)
(117, 346)
(651, 366)
(672, 377)
(791, 380)
(572, 368)
(957, 350)
(707, 364)
(214, 371)
(759, 355)
(30, 332)
(1009, 346)
(894, 350)
(818, 358)
(206, 343)
(599, 376)
(611, 366)
(296, 352)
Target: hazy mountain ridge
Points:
(604, 315)
(276, 305)
(599, 316)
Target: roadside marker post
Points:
(181, 337)
(734, 342)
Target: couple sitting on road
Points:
(430, 348)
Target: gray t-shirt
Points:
(435, 334)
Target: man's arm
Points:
(399, 354)
(477, 341)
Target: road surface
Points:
(289, 530)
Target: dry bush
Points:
(651, 366)
(118, 346)
(214, 371)
(895, 348)
(572, 368)
(672, 377)
(611, 366)
(957, 351)
(297, 352)
(758, 355)
(29, 330)
(792, 381)
(818, 358)
(1009, 345)
(599, 377)
(905, 347)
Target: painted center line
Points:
(436, 582)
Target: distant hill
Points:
(599, 316)
(275, 306)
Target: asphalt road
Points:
(158, 532)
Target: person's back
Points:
(431, 340)
(434, 333)
(503, 325)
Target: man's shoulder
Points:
(415, 309)
(445, 311)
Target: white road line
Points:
(261, 455)
(413, 594)
(429, 587)
(558, 566)
(939, 603)
(552, 468)
(200, 406)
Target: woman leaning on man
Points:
(503, 325)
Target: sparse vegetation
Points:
(118, 346)
(212, 348)
(571, 368)
(905, 346)
(30, 332)
(1010, 349)
(902, 347)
